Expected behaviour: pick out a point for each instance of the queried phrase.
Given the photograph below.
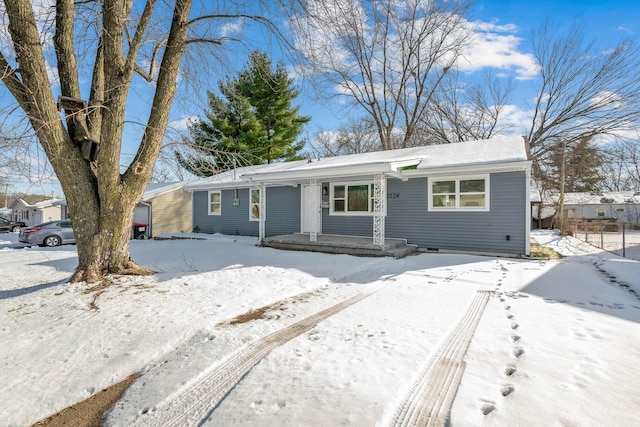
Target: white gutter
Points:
(328, 172)
(469, 169)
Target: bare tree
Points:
(583, 93)
(111, 42)
(356, 136)
(388, 57)
(621, 165)
(462, 111)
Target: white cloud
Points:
(182, 123)
(625, 30)
(515, 120)
(231, 28)
(496, 46)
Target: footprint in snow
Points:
(487, 409)
(507, 390)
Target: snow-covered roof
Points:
(236, 177)
(39, 205)
(607, 197)
(153, 190)
(497, 150)
(46, 203)
(158, 188)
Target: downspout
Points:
(527, 237)
(263, 212)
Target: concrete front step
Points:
(350, 245)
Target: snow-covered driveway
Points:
(231, 334)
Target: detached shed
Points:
(166, 208)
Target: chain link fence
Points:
(620, 238)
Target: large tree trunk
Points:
(104, 249)
(101, 199)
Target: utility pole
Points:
(562, 177)
(6, 195)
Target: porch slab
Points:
(337, 244)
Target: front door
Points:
(309, 208)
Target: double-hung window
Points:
(354, 198)
(463, 194)
(254, 204)
(215, 203)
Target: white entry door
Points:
(309, 208)
(36, 218)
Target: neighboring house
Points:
(166, 208)
(31, 214)
(468, 196)
(621, 206)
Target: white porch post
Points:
(379, 208)
(263, 212)
(313, 195)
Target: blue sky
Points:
(605, 22)
(506, 29)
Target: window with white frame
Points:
(254, 204)
(464, 194)
(215, 203)
(600, 211)
(353, 198)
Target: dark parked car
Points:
(52, 233)
(7, 225)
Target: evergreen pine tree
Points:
(253, 122)
(582, 161)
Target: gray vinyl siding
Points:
(283, 213)
(233, 220)
(345, 225)
(408, 218)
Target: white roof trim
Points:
(332, 172)
(471, 169)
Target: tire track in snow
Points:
(196, 401)
(429, 399)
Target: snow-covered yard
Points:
(227, 333)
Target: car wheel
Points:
(52, 241)
(15, 228)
